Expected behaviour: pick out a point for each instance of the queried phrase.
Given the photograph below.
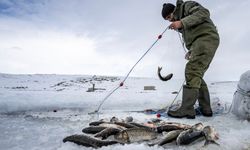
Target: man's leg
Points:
(201, 57)
(204, 100)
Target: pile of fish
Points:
(155, 132)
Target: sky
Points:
(97, 37)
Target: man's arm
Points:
(196, 14)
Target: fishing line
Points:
(122, 83)
(166, 108)
(182, 42)
(185, 51)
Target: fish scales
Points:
(136, 135)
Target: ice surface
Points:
(38, 111)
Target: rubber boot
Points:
(189, 98)
(204, 102)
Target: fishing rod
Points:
(166, 108)
(123, 81)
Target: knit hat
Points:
(167, 9)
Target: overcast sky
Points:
(106, 37)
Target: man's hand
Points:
(188, 55)
(175, 25)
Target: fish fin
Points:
(211, 142)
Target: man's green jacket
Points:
(195, 20)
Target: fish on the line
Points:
(166, 78)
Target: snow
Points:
(38, 111)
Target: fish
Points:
(104, 134)
(112, 125)
(114, 119)
(167, 138)
(135, 135)
(190, 135)
(171, 127)
(96, 123)
(198, 126)
(210, 135)
(126, 125)
(128, 119)
(141, 125)
(93, 129)
(176, 123)
(166, 78)
(88, 141)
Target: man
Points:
(201, 39)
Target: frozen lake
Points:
(38, 111)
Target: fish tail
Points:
(67, 139)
